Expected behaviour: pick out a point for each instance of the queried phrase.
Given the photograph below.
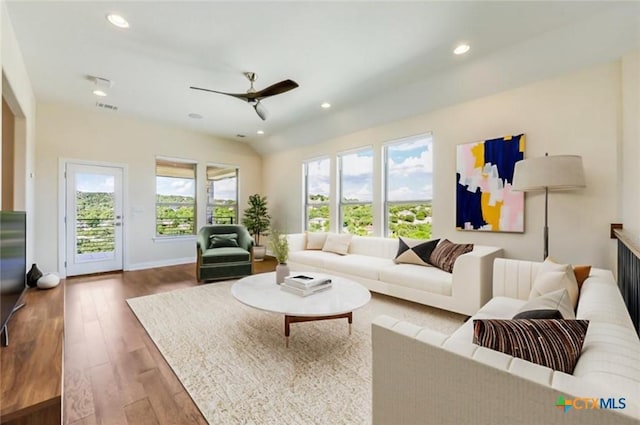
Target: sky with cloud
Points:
(94, 183)
(175, 186)
(225, 189)
(410, 172)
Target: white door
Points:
(93, 219)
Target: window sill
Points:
(173, 239)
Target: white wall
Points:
(577, 114)
(96, 135)
(17, 90)
(630, 151)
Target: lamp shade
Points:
(558, 172)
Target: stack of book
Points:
(305, 284)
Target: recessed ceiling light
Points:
(461, 49)
(117, 20)
(260, 131)
(99, 92)
(325, 105)
(195, 116)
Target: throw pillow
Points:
(539, 314)
(555, 344)
(581, 273)
(315, 240)
(446, 254)
(414, 251)
(553, 276)
(557, 300)
(223, 240)
(337, 243)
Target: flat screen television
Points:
(13, 264)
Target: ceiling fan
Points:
(254, 97)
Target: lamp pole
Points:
(546, 219)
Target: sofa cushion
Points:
(611, 355)
(223, 240)
(415, 251)
(310, 258)
(374, 246)
(337, 243)
(315, 240)
(225, 255)
(425, 278)
(556, 300)
(555, 344)
(357, 265)
(551, 277)
(495, 308)
(446, 254)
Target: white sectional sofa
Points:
(370, 262)
(424, 377)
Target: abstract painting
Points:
(485, 200)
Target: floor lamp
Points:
(548, 173)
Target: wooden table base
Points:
(288, 320)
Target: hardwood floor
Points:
(113, 372)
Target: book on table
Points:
(308, 291)
(306, 280)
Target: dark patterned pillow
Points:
(446, 253)
(539, 314)
(414, 251)
(555, 344)
(223, 240)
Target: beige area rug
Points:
(233, 362)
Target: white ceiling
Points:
(375, 62)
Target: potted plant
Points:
(257, 220)
(280, 249)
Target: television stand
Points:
(31, 367)
(5, 330)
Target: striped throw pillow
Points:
(446, 254)
(556, 344)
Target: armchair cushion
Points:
(225, 255)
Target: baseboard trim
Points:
(161, 263)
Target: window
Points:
(316, 200)
(222, 194)
(356, 192)
(409, 187)
(175, 197)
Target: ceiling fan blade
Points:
(243, 96)
(277, 88)
(260, 110)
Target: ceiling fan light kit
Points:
(254, 97)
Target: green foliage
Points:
(358, 219)
(279, 246)
(319, 218)
(94, 222)
(256, 218)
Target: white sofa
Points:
(424, 377)
(370, 262)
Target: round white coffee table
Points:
(260, 291)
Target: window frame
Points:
(341, 202)
(167, 161)
(209, 189)
(386, 203)
(306, 203)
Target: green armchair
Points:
(218, 259)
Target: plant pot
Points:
(282, 271)
(259, 252)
